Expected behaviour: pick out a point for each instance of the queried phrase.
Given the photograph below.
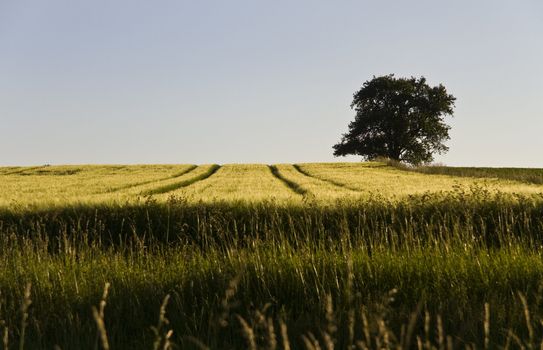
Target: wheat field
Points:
(232, 182)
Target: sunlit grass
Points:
(389, 182)
(315, 188)
(517, 174)
(144, 189)
(238, 182)
(321, 182)
(56, 184)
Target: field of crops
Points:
(282, 183)
(284, 256)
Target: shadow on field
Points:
(491, 220)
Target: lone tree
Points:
(398, 118)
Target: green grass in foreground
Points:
(244, 275)
(292, 286)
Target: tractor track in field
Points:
(332, 182)
(289, 183)
(24, 169)
(179, 174)
(171, 187)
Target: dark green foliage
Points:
(426, 218)
(398, 118)
(445, 253)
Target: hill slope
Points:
(321, 182)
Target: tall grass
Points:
(281, 284)
(474, 215)
(346, 274)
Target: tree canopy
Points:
(398, 118)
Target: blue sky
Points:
(257, 81)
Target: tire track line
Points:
(289, 183)
(171, 187)
(179, 174)
(24, 169)
(332, 182)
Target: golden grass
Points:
(58, 185)
(316, 188)
(380, 179)
(237, 182)
(143, 190)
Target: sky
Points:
(254, 81)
